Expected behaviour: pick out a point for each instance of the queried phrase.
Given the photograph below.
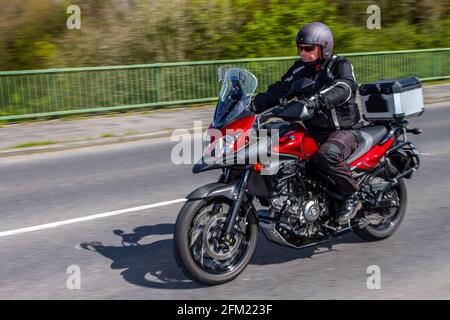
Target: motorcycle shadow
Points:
(152, 264)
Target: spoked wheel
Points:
(198, 245)
(382, 223)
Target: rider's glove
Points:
(313, 104)
(290, 111)
(294, 104)
(277, 111)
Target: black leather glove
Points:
(313, 104)
(290, 111)
(291, 104)
(277, 111)
(293, 110)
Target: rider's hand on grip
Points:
(290, 111)
(313, 104)
(277, 112)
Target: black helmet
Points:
(317, 33)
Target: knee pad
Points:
(329, 153)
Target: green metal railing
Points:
(53, 92)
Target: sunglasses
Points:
(307, 48)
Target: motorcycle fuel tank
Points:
(297, 142)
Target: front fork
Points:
(238, 197)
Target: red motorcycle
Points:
(217, 228)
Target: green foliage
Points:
(29, 31)
(271, 28)
(33, 34)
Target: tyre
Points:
(199, 253)
(389, 218)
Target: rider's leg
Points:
(331, 160)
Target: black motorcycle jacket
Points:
(335, 89)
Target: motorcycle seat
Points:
(370, 136)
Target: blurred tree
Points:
(271, 28)
(33, 33)
(27, 32)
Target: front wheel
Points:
(198, 249)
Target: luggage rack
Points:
(404, 155)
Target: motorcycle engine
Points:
(301, 217)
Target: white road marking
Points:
(88, 218)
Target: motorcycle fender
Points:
(215, 189)
(203, 166)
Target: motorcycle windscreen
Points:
(238, 86)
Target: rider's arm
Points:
(343, 88)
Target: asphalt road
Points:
(129, 256)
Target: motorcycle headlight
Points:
(221, 147)
(225, 145)
(228, 144)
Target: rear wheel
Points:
(198, 250)
(383, 222)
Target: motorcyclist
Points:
(334, 125)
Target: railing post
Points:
(159, 84)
